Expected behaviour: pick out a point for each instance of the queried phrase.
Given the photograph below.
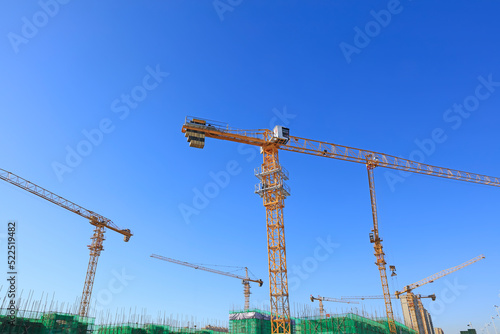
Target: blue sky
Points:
(378, 75)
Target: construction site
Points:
(250, 322)
(183, 138)
(273, 190)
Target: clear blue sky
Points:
(378, 75)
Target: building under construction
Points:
(258, 322)
(418, 316)
(240, 322)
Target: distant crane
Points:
(433, 297)
(409, 288)
(273, 191)
(244, 279)
(327, 299)
(100, 223)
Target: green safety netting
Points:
(258, 322)
(248, 322)
(48, 323)
(63, 323)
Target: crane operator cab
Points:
(281, 135)
(372, 237)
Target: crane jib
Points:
(264, 137)
(95, 219)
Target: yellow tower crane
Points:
(410, 297)
(371, 163)
(244, 279)
(100, 223)
(418, 298)
(273, 191)
(433, 297)
(328, 299)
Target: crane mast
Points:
(274, 191)
(95, 251)
(371, 163)
(100, 223)
(244, 279)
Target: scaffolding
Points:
(23, 322)
(29, 322)
(240, 322)
(154, 329)
(258, 322)
(250, 322)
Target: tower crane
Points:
(244, 279)
(273, 191)
(371, 163)
(100, 223)
(418, 298)
(410, 297)
(328, 299)
(433, 297)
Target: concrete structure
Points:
(438, 330)
(469, 331)
(420, 320)
(429, 326)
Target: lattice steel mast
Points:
(100, 223)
